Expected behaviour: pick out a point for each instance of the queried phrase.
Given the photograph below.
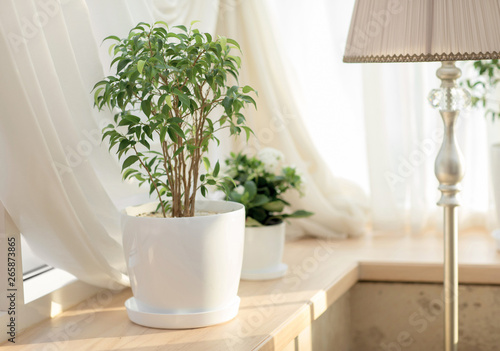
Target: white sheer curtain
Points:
(280, 122)
(372, 122)
(61, 186)
(404, 136)
(57, 176)
(339, 206)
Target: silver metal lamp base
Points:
(449, 99)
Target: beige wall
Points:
(403, 317)
(396, 316)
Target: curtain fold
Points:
(50, 188)
(340, 206)
(404, 135)
(372, 122)
(64, 190)
(62, 187)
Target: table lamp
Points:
(433, 30)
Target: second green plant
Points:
(260, 184)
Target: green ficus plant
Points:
(167, 84)
(482, 86)
(259, 183)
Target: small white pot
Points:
(184, 272)
(263, 252)
(495, 170)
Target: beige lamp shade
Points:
(423, 30)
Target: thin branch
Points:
(152, 181)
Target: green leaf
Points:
(237, 59)
(274, 206)
(111, 47)
(234, 196)
(96, 95)
(258, 214)
(130, 161)
(172, 134)
(203, 190)
(176, 120)
(168, 100)
(191, 147)
(163, 133)
(122, 64)
(131, 119)
(231, 91)
(182, 97)
(102, 82)
(128, 173)
(206, 163)
(146, 107)
(216, 169)
(123, 144)
(181, 27)
(251, 189)
(249, 99)
(161, 22)
(250, 222)
(234, 42)
(140, 65)
(298, 214)
(228, 105)
(223, 43)
(178, 151)
(223, 120)
(246, 89)
(112, 37)
(177, 130)
(145, 143)
(260, 199)
(248, 131)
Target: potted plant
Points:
(259, 183)
(484, 90)
(184, 268)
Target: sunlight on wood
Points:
(55, 309)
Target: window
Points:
(32, 264)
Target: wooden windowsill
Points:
(272, 313)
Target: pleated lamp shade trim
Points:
(423, 30)
(422, 58)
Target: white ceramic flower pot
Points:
(495, 169)
(184, 272)
(263, 252)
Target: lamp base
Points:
(449, 99)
